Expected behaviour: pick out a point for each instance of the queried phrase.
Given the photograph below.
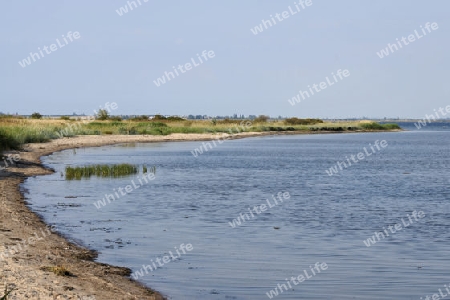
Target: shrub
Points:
(36, 115)
(159, 117)
(261, 119)
(102, 114)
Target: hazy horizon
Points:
(81, 56)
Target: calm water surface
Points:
(192, 200)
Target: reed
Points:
(145, 170)
(77, 173)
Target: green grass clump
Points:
(78, 173)
(14, 137)
(377, 126)
(391, 126)
(7, 141)
(371, 126)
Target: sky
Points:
(118, 57)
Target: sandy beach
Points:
(28, 245)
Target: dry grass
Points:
(15, 132)
(58, 270)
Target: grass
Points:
(77, 173)
(16, 131)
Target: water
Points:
(327, 218)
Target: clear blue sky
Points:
(117, 58)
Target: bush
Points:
(261, 119)
(159, 117)
(102, 114)
(36, 115)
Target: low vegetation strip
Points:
(100, 171)
(16, 131)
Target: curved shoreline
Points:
(19, 225)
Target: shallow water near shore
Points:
(326, 219)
